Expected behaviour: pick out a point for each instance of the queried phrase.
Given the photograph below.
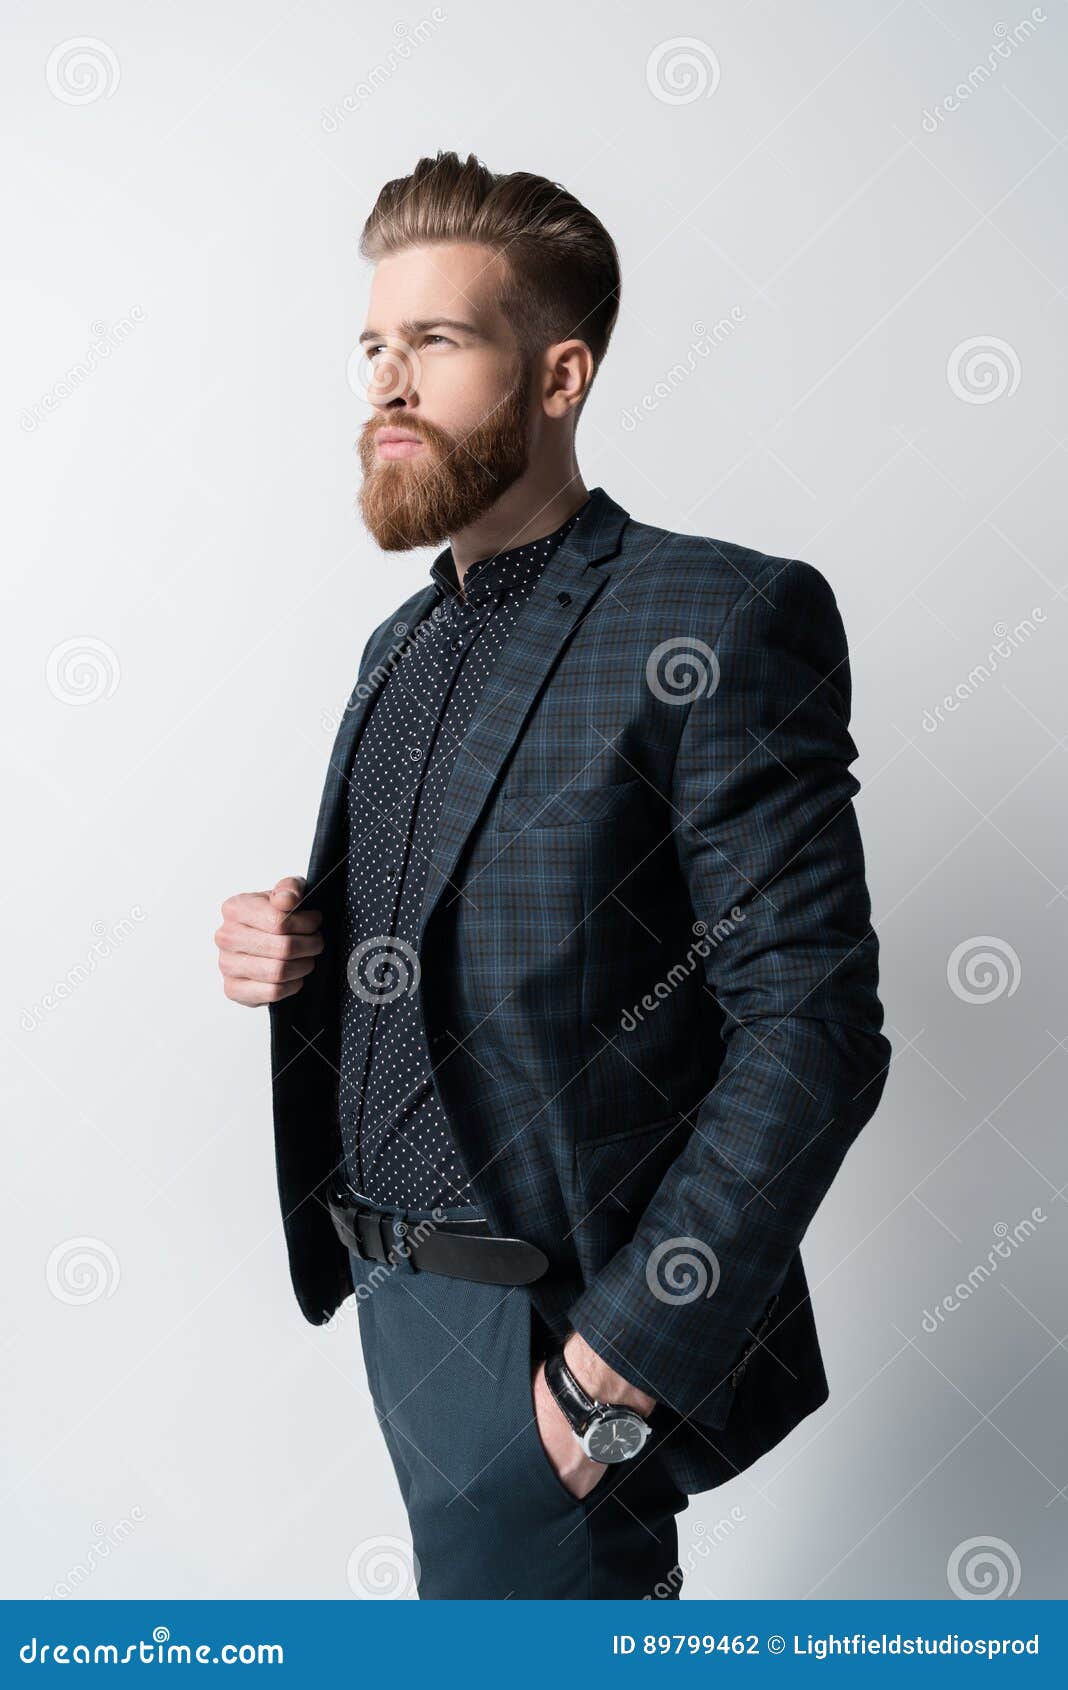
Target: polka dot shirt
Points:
(397, 1144)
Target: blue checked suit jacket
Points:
(649, 976)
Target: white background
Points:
(181, 511)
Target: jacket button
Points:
(563, 598)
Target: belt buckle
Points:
(388, 1228)
(391, 1229)
(343, 1216)
(346, 1218)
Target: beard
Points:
(451, 483)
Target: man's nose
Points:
(393, 376)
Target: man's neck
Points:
(527, 512)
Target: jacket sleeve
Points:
(768, 843)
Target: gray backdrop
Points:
(842, 241)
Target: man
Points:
(575, 1015)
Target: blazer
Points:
(648, 972)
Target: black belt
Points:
(458, 1249)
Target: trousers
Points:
(450, 1366)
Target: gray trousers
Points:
(449, 1364)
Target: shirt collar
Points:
(505, 572)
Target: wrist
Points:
(602, 1382)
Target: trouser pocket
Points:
(533, 1341)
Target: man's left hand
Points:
(573, 1467)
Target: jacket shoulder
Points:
(717, 575)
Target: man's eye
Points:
(372, 352)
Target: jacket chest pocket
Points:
(525, 810)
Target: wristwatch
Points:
(606, 1431)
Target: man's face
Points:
(447, 376)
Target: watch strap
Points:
(577, 1404)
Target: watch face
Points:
(616, 1437)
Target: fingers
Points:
(271, 970)
(288, 893)
(254, 993)
(255, 941)
(272, 912)
(268, 943)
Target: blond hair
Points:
(562, 262)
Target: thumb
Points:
(288, 893)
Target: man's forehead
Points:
(462, 282)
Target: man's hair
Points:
(562, 262)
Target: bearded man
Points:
(574, 1015)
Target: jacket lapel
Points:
(564, 591)
(328, 847)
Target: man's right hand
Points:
(265, 949)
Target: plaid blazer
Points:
(649, 976)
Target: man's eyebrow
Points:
(413, 326)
